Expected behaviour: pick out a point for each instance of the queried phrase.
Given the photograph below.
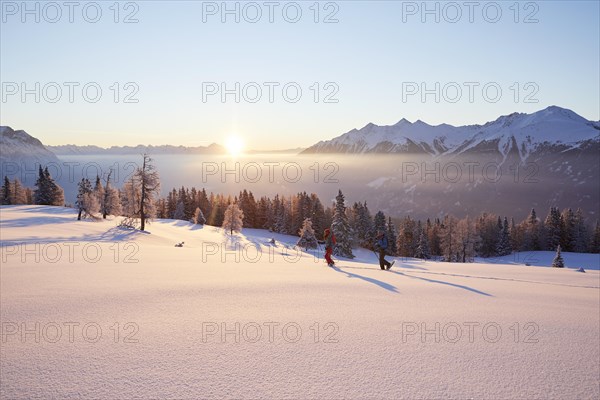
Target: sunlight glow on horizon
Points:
(234, 145)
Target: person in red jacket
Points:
(329, 239)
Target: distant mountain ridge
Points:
(519, 133)
(71, 149)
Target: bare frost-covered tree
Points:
(130, 198)
(234, 219)
(110, 204)
(149, 183)
(139, 193)
(448, 239)
(466, 240)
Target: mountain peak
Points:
(20, 135)
(22, 147)
(554, 108)
(369, 126)
(552, 126)
(403, 121)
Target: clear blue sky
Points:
(368, 54)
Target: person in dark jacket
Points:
(329, 239)
(381, 245)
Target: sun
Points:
(234, 145)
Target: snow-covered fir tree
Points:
(248, 206)
(98, 190)
(233, 220)
(172, 200)
(341, 229)
(595, 243)
(282, 217)
(568, 229)
(48, 192)
(433, 236)
(364, 225)
(198, 217)
(307, 240)
(423, 251)
(504, 246)
(5, 199)
(558, 261)
(392, 236)
(87, 203)
(513, 233)
(553, 228)
(407, 239)
(179, 211)
(488, 227)
(317, 214)
(379, 223)
(581, 239)
(532, 232)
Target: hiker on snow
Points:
(381, 245)
(329, 239)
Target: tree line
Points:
(304, 215)
(449, 238)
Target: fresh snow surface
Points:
(172, 296)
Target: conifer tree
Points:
(504, 246)
(568, 230)
(341, 229)
(595, 242)
(580, 240)
(198, 217)
(392, 236)
(558, 261)
(180, 211)
(307, 240)
(48, 192)
(407, 239)
(87, 203)
(553, 228)
(6, 192)
(423, 251)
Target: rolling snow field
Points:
(91, 310)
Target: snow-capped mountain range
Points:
(71, 149)
(20, 147)
(548, 158)
(523, 134)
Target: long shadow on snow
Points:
(381, 284)
(112, 235)
(444, 283)
(35, 221)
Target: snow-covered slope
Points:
(21, 148)
(494, 330)
(523, 133)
